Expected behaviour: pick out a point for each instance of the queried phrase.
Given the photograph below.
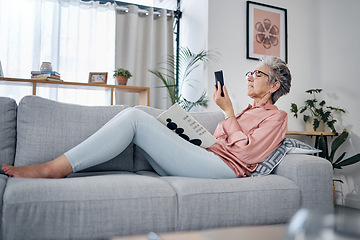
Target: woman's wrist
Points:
(229, 116)
(229, 113)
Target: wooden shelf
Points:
(311, 133)
(144, 92)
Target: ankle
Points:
(57, 169)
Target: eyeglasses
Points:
(256, 74)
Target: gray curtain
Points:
(143, 40)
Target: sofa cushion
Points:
(209, 120)
(46, 129)
(214, 203)
(8, 108)
(314, 177)
(94, 207)
(3, 180)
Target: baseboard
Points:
(351, 200)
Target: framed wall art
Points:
(266, 31)
(98, 77)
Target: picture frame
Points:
(266, 31)
(98, 77)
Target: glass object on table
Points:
(313, 224)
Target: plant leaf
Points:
(316, 123)
(338, 142)
(303, 109)
(351, 160)
(324, 115)
(188, 105)
(324, 148)
(331, 125)
(294, 109)
(311, 91)
(188, 61)
(336, 109)
(306, 117)
(311, 102)
(339, 158)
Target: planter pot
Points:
(310, 128)
(121, 80)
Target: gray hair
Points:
(278, 72)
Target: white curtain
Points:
(76, 37)
(143, 40)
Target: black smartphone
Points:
(219, 77)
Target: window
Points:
(76, 37)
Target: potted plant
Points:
(188, 61)
(338, 141)
(121, 76)
(330, 156)
(320, 114)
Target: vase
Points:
(121, 80)
(309, 127)
(46, 66)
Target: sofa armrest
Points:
(313, 175)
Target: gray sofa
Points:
(125, 196)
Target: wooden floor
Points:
(348, 220)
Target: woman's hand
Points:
(223, 102)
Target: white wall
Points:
(323, 52)
(193, 27)
(339, 52)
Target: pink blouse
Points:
(250, 137)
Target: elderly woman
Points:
(243, 140)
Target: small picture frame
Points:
(266, 31)
(98, 77)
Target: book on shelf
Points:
(47, 79)
(186, 126)
(45, 76)
(45, 72)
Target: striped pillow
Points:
(288, 146)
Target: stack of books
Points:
(45, 75)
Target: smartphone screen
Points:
(219, 77)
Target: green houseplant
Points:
(330, 155)
(188, 61)
(122, 75)
(318, 110)
(339, 162)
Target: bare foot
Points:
(32, 171)
(57, 168)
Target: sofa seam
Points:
(177, 207)
(251, 191)
(80, 200)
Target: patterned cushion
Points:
(288, 146)
(295, 146)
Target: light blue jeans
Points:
(166, 152)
